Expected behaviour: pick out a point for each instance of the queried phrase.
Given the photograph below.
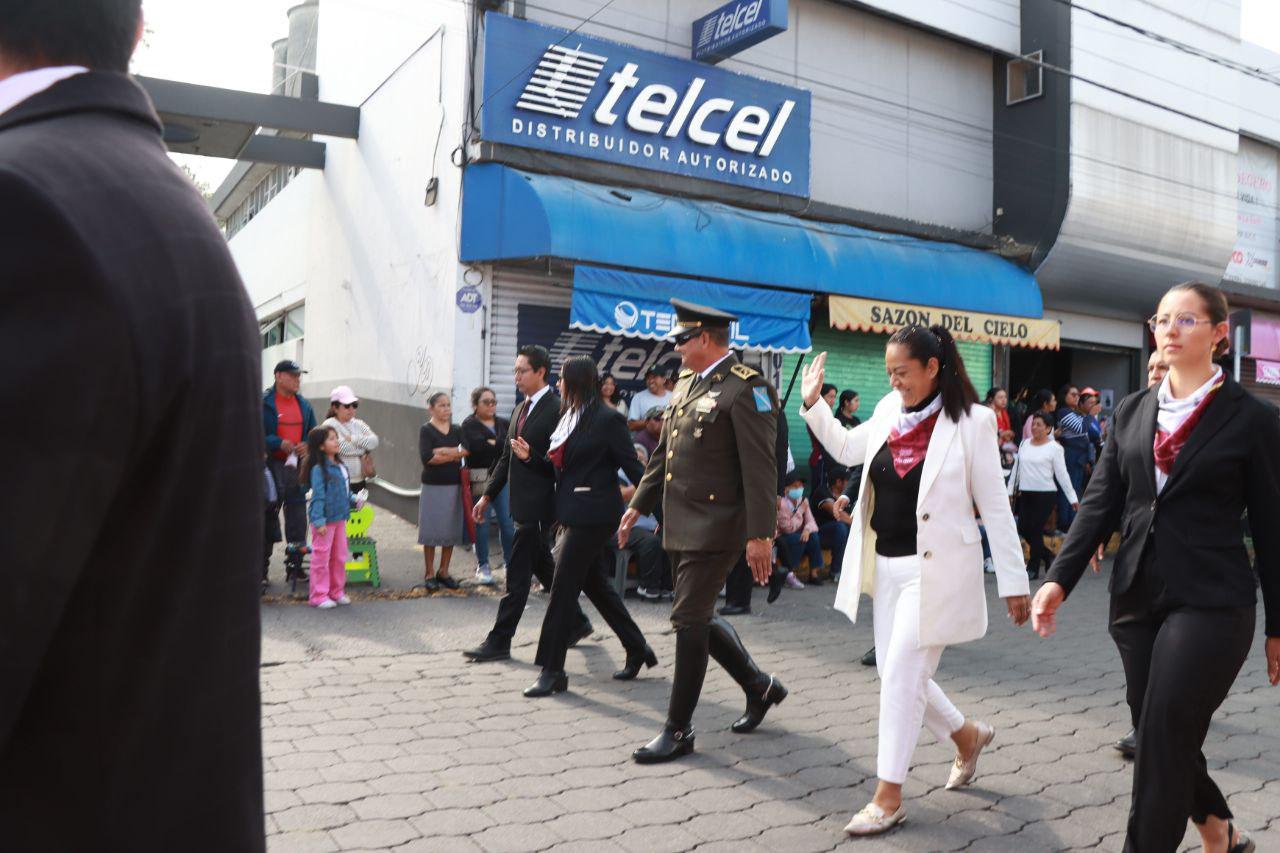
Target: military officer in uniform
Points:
(714, 471)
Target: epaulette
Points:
(743, 372)
(685, 373)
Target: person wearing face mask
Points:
(798, 532)
(1183, 462)
(929, 455)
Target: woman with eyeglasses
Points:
(484, 434)
(1184, 461)
(356, 440)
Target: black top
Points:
(587, 489)
(484, 445)
(894, 518)
(429, 438)
(532, 490)
(1230, 464)
(848, 421)
(128, 689)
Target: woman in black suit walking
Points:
(1184, 461)
(589, 445)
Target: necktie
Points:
(524, 416)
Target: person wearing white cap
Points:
(355, 437)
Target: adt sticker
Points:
(763, 403)
(469, 299)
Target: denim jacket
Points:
(331, 498)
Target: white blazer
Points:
(961, 470)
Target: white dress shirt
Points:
(704, 374)
(17, 88)
(1172, 412)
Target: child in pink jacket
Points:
(797, 532)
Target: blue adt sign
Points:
(736, 26)
(549, 89)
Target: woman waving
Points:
(929, 455)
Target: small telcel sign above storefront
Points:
(556, 90)
(736, 26)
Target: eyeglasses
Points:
(488, 401)
(354, 405)
(521, 371)
(1184, 322)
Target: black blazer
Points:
(533, 489)
(129, 623)
(1230, 463)
(485, 447)
(587, 487)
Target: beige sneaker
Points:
(962, 771)
(872, 820)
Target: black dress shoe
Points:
(814, 580)
(634, 662)
(547, 683)
(869, 658)
(776, 581)
(487, 651)
(1127, 745)
(1244, 844)
(734, 610)
(670, 744)
(758, 706)
(447, 581)
(581, 634)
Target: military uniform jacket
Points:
(714, 466)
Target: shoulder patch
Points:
(763, 403)
(743, 372)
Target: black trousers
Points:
(737, 590)
(652, 567)
(580, 568)
(1179, 664)
(530, 558)
(1034, 509)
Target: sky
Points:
(232, 48)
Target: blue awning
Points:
(635, 305)
(508, 214)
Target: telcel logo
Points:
(730, 21)
(661, 109)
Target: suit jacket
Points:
(714, 467)
(533, 487)
(1191, 533)
(587, 489)
(129, 621)
(961, 470)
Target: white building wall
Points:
(377, 268)
(902, 118)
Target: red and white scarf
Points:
(909, 436)
(1176, 419)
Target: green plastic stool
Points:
(363, 565)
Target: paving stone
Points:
(334, 792)
(313, 816)
(516, 838)
(451, 822)
(374, 834)
(301, 842)
(391, 806)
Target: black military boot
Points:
(676, 737)
(763, 690)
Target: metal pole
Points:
(1235, 356)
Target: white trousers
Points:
(908, 695)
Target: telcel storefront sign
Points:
(546, 88)
(737, 26)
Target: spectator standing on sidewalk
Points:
(355, 437)
(612, 395)
(1074, 437)
(655, 393)
(847, 413)
(129, 628)
(331, 504)
(484, 434)
(652, 567)
(287, 418)
(440, 520)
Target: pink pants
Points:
(329, 556)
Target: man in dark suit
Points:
(129, 623)
(533, 504)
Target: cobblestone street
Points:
(378, 735)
